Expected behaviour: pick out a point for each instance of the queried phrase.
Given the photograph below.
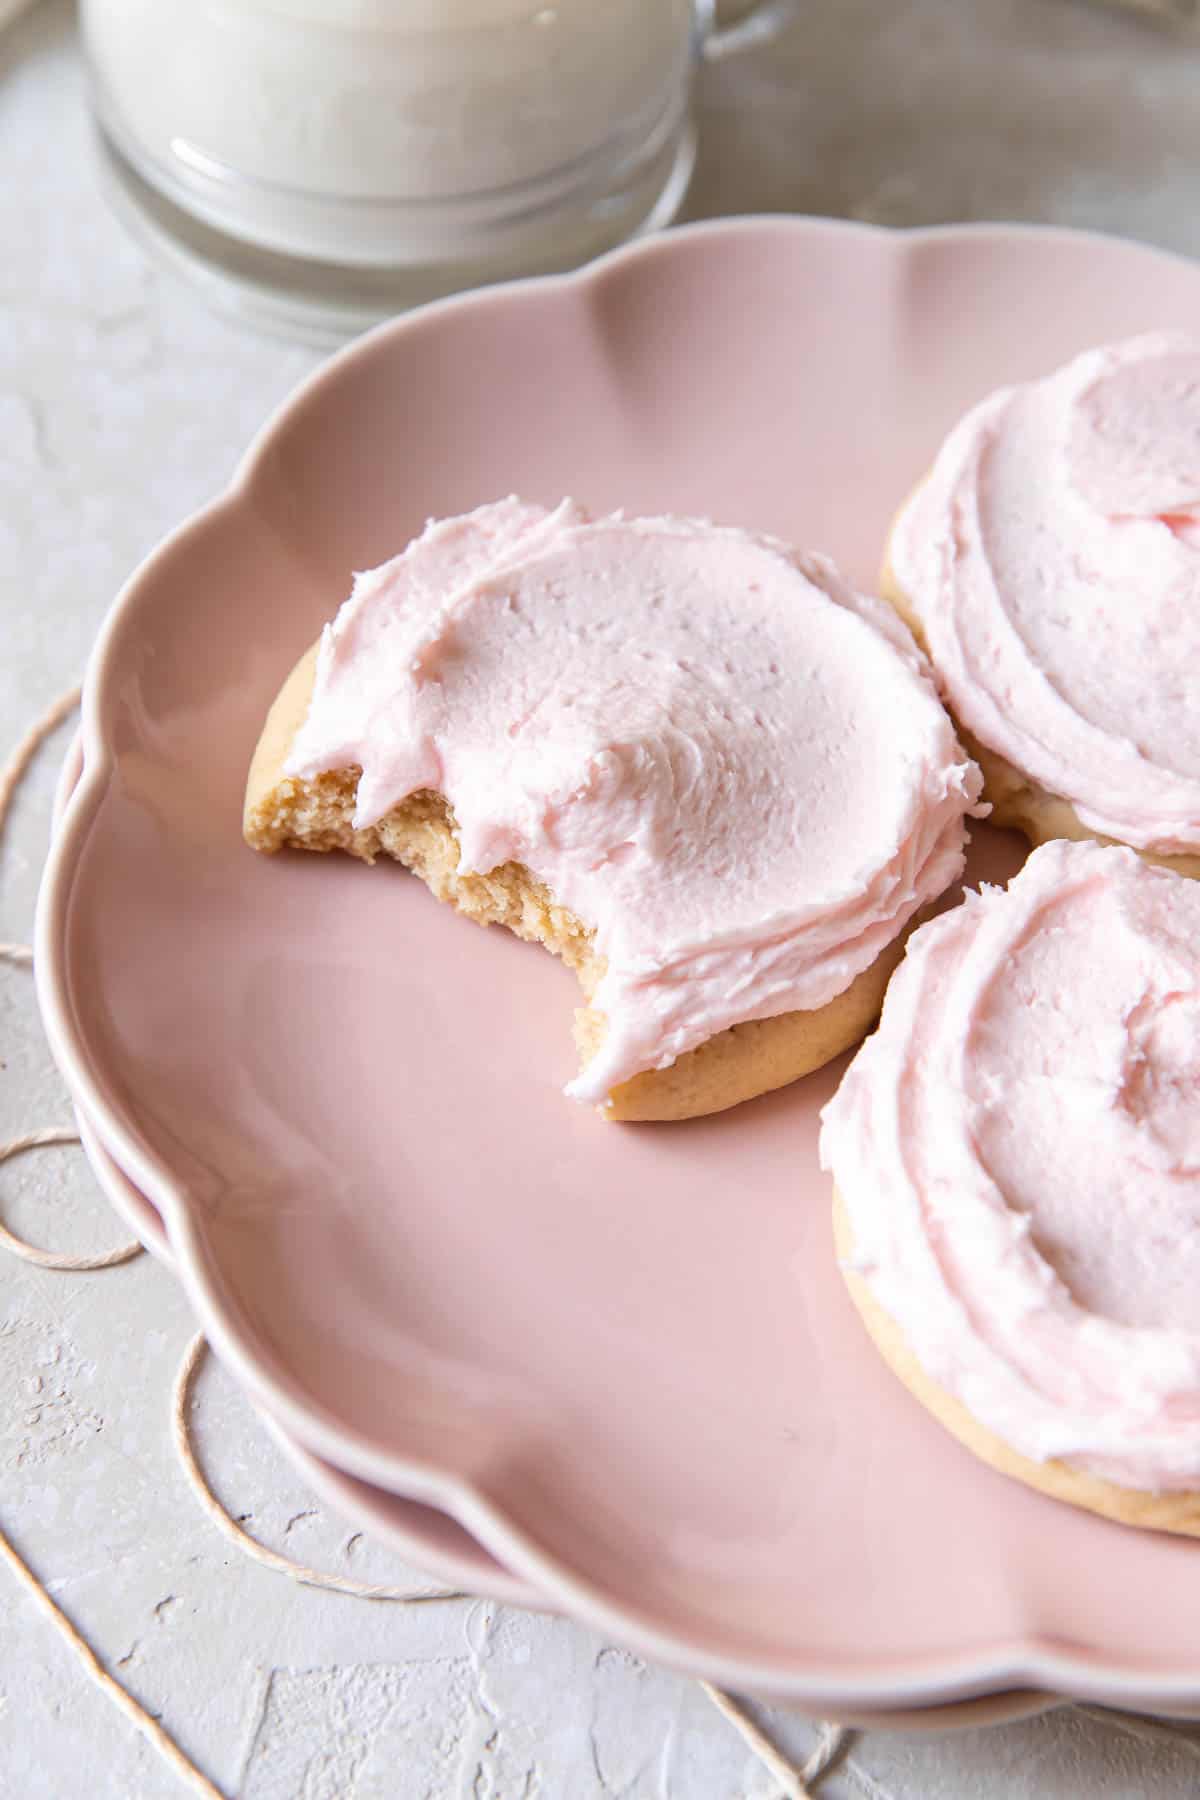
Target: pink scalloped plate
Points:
(438, 1544)
(621, 1357)
(426, 1537)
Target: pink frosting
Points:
(730, 767)
(1053, 558)
(1018, 1150)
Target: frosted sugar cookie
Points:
(1016, 1159)
(1050, 564)
(691, 761)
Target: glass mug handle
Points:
(749, 25)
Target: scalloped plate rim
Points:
(1032, 1662)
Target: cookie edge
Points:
(1176, 1511)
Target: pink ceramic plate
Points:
(434, 1542)
(621, 1357)
(426, 1537)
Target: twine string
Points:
(19, 759)
(137, 1715)
(56, 1259)
(795, 1783)
(21, 956)
(226, 1523)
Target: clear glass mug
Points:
(368, 153)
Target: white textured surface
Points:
(122, 406)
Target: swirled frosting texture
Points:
(1018, 1152)
(732, 769)
(1053, 559)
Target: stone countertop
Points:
(123, 406)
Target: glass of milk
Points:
(340, 158)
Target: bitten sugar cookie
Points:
(1050, 564)
(1016, 1159)
(690, 761)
